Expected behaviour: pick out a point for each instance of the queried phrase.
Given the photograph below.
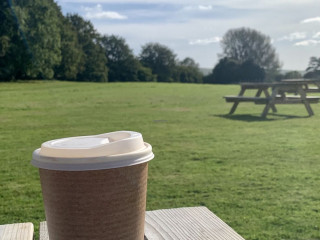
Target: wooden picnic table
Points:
(194, 223)
(274, 93)
(187, 223)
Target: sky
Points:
(195, 28)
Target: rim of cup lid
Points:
(103, 151)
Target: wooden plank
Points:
(180, 224)
(312, 90)
(245, 99)
(266, 85)
(187, 223)
(294, 100)
(301, 80)
(44, 231)
(16, 231)
(256, 85)
(294, 80)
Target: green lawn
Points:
(260, 176)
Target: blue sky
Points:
(195, 28)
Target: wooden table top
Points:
(194, 223)
(302, 80)
(271, 84)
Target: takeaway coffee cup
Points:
(94, 187)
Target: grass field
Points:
(260, 176)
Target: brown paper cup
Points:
(94, 187)
(95, 204)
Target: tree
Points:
(145, 74)
(94, 62)
(121, 62)
(160, 59)
(313, 70)
(245, 44)
(251, 72)
(231, 71)
(72, 55)
(226, 71)
(187, 71)
(37, 41)
(39, 22)
(123, 65)
(292, 75)
(14, 55)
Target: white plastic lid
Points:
(104, 151)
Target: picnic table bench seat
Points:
(233, 98)
(297, 99)
(291, 99)
(312, 90)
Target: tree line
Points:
(38, 42)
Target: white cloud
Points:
(205, 41)
(190, 33)
(98, 13)
(306, 43)
(316, 35)
(197, 7)
(108, 14)
(253, 3)
(294, 36)
(205, 8)
(311, 20)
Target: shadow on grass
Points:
(284, 116)
(252, 118)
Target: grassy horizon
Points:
(261, 176)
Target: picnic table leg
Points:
(236, 103)
(305, 101)
(270, 102)
(259, 93)
(266, 93)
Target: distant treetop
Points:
(243, 44)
